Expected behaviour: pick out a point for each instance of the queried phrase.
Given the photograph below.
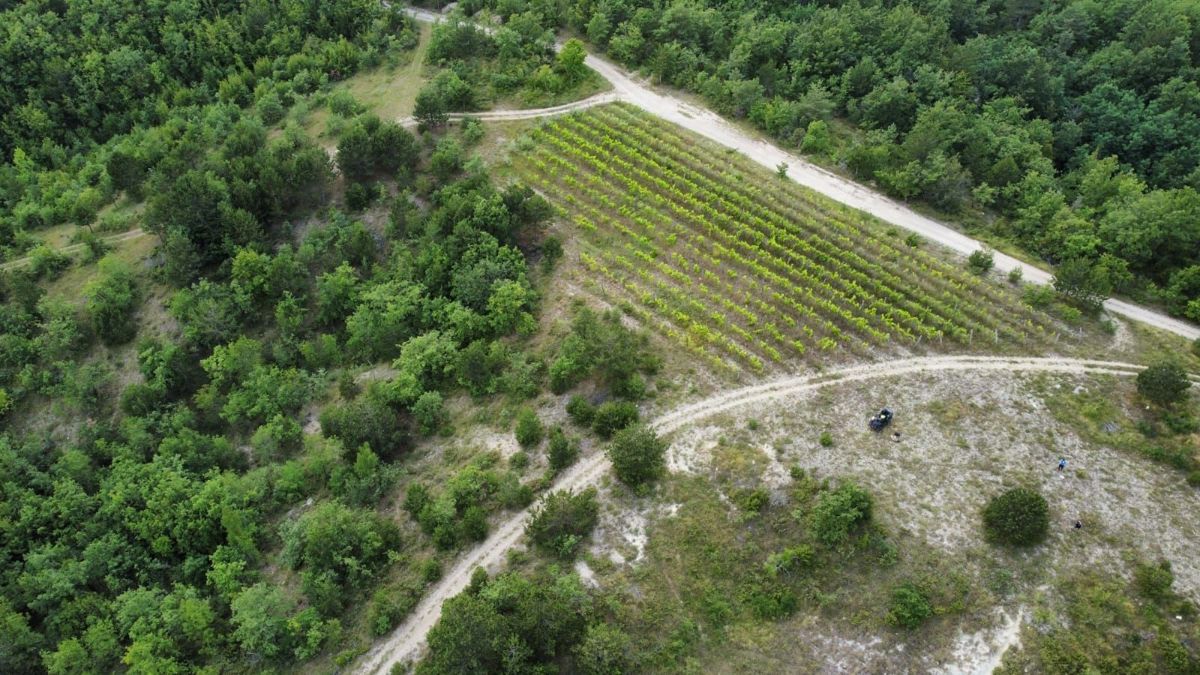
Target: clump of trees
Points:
(519, 622)
(1017, 517)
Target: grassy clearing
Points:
(744, 270)
(389, 91)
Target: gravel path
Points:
(407, 641)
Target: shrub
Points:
(358, 197)
(1015, 275)
(909, 607)
(612, 416)
(1193, 479)
(1164, 383)
(581, 411)
(563, 450)
(1196, 347)
(638, 455)
(752, 501)
(1154, 581)
(562, 521)
(529, 428)
(112, 298)
(913, 240)
(826, 439)
(980, 262)
(839, 511)
(278, 438)
(788, 561)
(1038, 296)
(1019, 517)
(429, 412)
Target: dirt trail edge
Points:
(114, 239)
(707, 123)
(407, 641)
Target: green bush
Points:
(529, 429)
(826, 439)
(562, 521)
(612, 416)
(839, 512)
(112, 299)
(980, 262)
(1037, 296)
(1196, 347)
(1154, 581)
(1193, 479)
(1164, 383)
(1019, 517)
(909, 607)
(563, 450)
(429, 413)
(752, 501)
(638, 455)
(581, 411)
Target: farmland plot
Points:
(745, 270)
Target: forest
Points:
(1072, 125)
(157, 471)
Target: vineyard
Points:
(743, 269)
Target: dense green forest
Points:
(1076, 121)
(162, 508)
(95, 95)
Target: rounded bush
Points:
(909, 607)
(1019, 517)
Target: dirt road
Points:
(406, 642)
(114, 239)
(712, 126)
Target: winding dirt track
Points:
(407, 641)
(114, 239)
(707, 123)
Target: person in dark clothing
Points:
(1062, 463)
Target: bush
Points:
(913, 240)
(562, 521)
(1015, 275)
(980, 262)
(563, 451)
(277, 439)
(1196, 347)
(1193, 479)
(612, 416)
(638, 455)
(1038, 296)
(581, 411)
(1164, 383)
(909, 607)
(112, 299)
(1019, 517)
(1154, 581)
(429, 412)
(358, 196)
(788, 561)
(752, 501)
(529, 429)
(838, 512)
(826, 439)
